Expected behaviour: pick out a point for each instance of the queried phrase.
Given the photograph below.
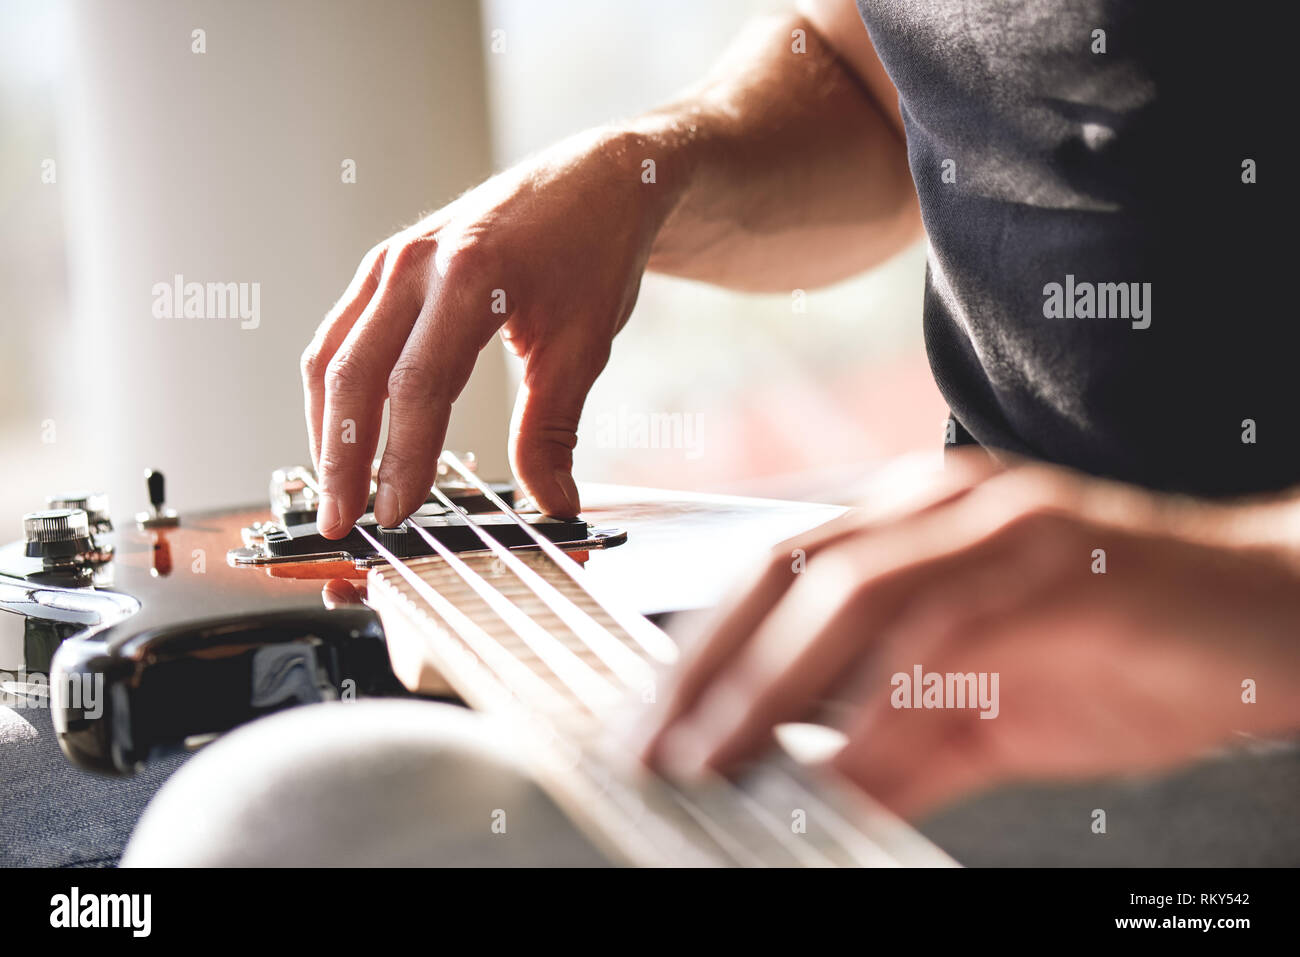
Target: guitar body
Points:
(172, 642)
(160, 638)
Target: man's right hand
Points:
(549, 253)
(781, 170)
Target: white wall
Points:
(225, 166)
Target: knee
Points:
(375, 783)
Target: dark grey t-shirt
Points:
(1104, 290)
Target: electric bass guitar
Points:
(163, 633)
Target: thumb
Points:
(544, 431)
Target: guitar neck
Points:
(554, 679)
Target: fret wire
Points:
(500, 660)
(487, 650)
(716, 829)
(626, 664)
(651, 638)
(575, 572)
(590, 687)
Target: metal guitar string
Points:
(559, 659)
(509, 669)
(647, 634)
(587, 685)
(514, 673)
(507, 666)
(652, 639)
(631, 669)
(565, 608)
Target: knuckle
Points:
(1046, 518)
(336, 460)
(411, 255)
(311, 364)
(973, 466)
(862, 591)
(345, 375)
(840, 572)
(368, 274)
(412, 383)
(372, 261)
(470, 259)
(1033, 494)
(407, 469)
(557, 434)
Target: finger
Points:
(730, 629)
(814, 633)
(544, 430)
(914, 759)
(428, 377)
(835, 618)
(356, 384)
(329, 335)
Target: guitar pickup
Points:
(299, 541)
(292, 535)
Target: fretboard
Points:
(557, 684)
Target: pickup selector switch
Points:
(159, 515)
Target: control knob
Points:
(58, 536)
(94, 504)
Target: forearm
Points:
(779, 170)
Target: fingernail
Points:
(568, 491)
(387, 508)
(327, 514)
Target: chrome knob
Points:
(55, 525)
(94, 504)
(57, 535)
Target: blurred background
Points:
(145, 139)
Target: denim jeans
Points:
(55, 815)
